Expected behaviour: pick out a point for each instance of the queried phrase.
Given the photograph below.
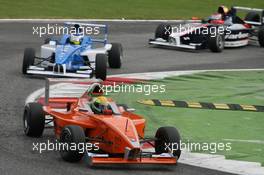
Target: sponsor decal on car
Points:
(240, 35)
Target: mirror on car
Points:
(83, 110)
(53, 43)
(107, 112)
(130, 109)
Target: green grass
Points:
(129, 9)
(201, 125)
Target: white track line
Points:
(94, 20)
(161, 75)
(245, 141)
(209, 161)
(218, 162)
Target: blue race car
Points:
(74, 55)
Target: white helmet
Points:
(76, 39)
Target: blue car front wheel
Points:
(100, 66)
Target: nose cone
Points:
(121, 132)
(64, 53)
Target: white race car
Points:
(222, 29)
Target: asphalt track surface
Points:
(16, 155)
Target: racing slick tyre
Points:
(163, 31)
(261, 36)
(100, 66)
(115, 56)
(216, 43)
(252, 16)
(168, 137)
(34, 120)
(72, 135)
(28, 60)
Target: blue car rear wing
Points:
(102, 26)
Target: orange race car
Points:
(117, 134)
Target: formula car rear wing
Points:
(104, 27)
(259, 11)
(58, 84)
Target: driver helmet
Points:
(99, 104)
(76, 39)
(223, 10)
